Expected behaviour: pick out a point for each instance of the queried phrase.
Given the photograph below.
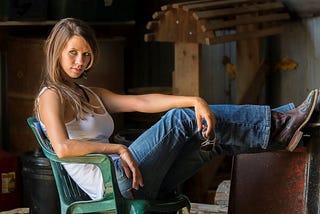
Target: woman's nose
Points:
(79, 59)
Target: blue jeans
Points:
(169, 152)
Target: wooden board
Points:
(186, 76)
(202, 21)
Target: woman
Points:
(77, 121)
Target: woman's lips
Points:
(77, 70)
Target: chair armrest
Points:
(103, 161)
(89, 159)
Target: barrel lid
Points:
(35, 158)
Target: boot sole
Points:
(298, 133)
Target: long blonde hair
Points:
(52, 76)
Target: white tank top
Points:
(96, 127)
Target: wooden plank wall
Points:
(216, 87)
(301, 43)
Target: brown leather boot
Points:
(315, 118)
(286, 127)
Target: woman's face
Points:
(75, 56)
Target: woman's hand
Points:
(131, 168)
(203, 112)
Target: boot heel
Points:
(314, 125)
(294, 141)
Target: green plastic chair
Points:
(74, 200)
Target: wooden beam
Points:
(186, 75)
(208, 26)
(149, 37)
(250, 34)
(180, 26)
(166, 7)
(210, 14)
(181, 4)
(206, 5)
(151, 25)
(158, 14)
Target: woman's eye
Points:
(87, 54)
(73, 52)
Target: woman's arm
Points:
(153, 103)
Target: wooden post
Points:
(186, 75)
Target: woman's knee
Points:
(180, 113)
(182, 119)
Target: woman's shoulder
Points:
(48, 93)
(49, 100)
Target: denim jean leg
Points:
(124, 184)
(240, 117)
(158, 147)
(243, 128)
(168, 152)
(188, 162)
(284, 108)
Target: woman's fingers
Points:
(131, 169)
(126, 169)
(210, 123)
(203, 112)
(137, 181)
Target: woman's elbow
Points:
(61, 151)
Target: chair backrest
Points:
(68, 190)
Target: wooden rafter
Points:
(212, 21)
